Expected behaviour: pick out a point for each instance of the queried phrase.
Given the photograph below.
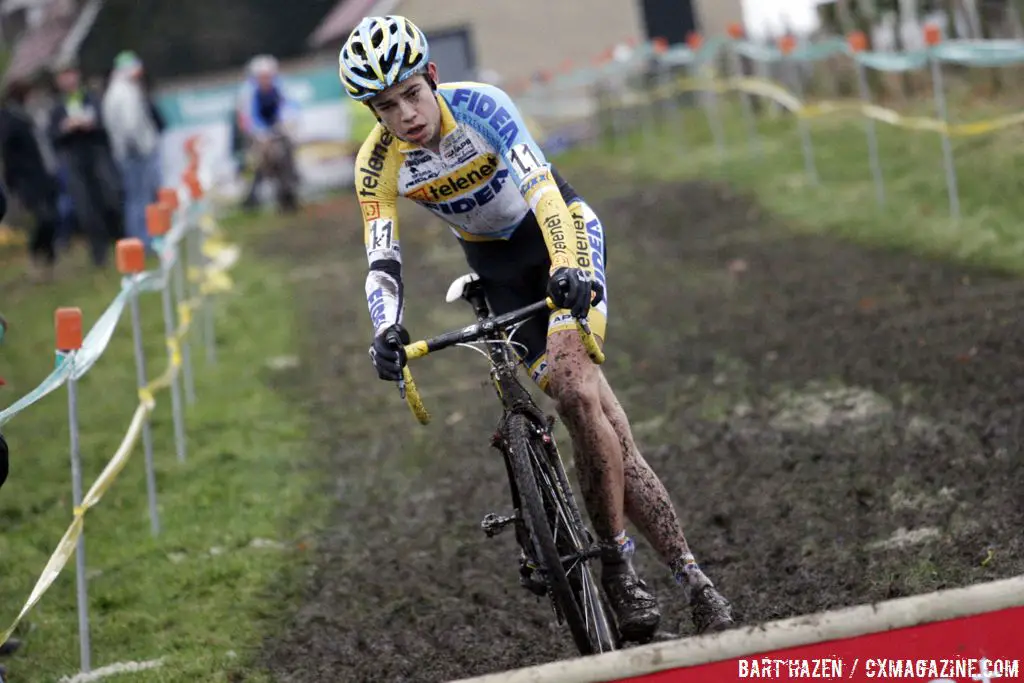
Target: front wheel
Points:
(558, 542)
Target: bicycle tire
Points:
(601, 623)
(522, 441)
(606, 626)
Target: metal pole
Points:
(616, 118)
(193, 266)
(176, 408)
(763, 70)
(709, 102)
(748, 112)
(209, 333)
(674, 110)
(147, 435)
(651, 106)
(81, 587)
(869, 125)
(805, 134)
(947, 144)
(186, 347)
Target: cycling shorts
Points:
(515, 272)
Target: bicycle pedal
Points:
(493, 524)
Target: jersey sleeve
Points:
(376, 183)
(494, 114)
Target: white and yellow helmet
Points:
(380, 52)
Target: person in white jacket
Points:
(134, 139)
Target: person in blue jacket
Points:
(265, 116)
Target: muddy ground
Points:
(836, 426)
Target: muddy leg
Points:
(574, 383)
(647, 503)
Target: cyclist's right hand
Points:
(388, 353)
(574, 289)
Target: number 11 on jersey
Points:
(523, 159)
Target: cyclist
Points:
(463, 152)
(265, 117)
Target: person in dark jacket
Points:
(3, 442)
(82, 145)
(4, 455)
(27, 176)
(12, 644)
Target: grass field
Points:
(916, 215)
(234, 515)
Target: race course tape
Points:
(777, 93)
(77, 363)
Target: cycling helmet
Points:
(380, 52)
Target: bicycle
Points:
(548, 527)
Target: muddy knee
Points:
(574, 382)
(577, 401)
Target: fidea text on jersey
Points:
(484, 106)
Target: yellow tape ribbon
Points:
(779, 94)
(211, 279)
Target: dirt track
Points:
(802, 399)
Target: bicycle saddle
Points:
(461, 287)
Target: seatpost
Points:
(475, 296)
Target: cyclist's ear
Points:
(431, 75)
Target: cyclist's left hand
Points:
(573, 288)
(388, 353)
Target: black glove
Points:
(388, 353)
(572, 288)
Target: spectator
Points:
(3, 460)
(12, 644)
(28, 178)
(81, 145)
(4, 465)
(154, 111)
(265, 116)
(135, 140)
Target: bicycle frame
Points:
(516, 401)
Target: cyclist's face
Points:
(410, 109)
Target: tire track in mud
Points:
(802, 399)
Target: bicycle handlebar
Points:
(421, 348)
